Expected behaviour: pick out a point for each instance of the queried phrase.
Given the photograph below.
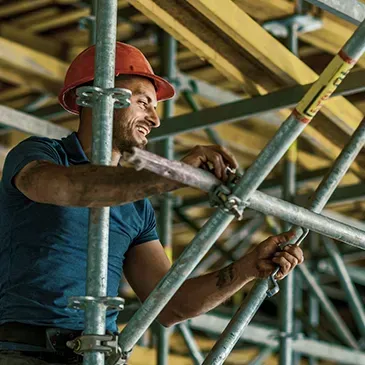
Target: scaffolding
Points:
(230, 201)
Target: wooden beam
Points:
(274, 56)
(27, 19)
(330, 38)
(32, 64)
(193, 39)
(59, 21)
(38, 43)
(14, 92)
(23, 6)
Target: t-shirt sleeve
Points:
(32, 149)
(148, 232)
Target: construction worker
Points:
(46, 190)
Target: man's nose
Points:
(154, 118)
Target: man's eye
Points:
(143, 102)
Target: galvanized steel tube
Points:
(188, 337)
(165, 218)
(102, 127)
(259, 201)
(287, 285)
(241, 319)
(347, 284)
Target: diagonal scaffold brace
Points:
(244, 194)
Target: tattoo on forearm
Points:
(225, 277)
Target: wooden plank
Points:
(23, 6)
(330, 38)
(174, 25)
(274, 56)
(13, 93)
(33, 64)
(59, 21)
(34, 17)
(37, 43)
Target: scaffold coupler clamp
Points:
(275, 286)
(87, 96)
(222, 196)
(107, 344)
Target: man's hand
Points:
(216, 156)
(267, 256)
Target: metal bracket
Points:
(222, 196)
(275, 289)
(87, 95)
(107, 344)
(305, 23)
(101, 343)
(115, 303)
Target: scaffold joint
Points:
(107, 344)
(222, 197)
(87, 96)
(275, 287)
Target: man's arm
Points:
(100, 186)
(146, 264)
(88, 185)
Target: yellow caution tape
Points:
(321, 90)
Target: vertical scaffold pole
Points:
(313, 301)
(102, 127)
(168, 70)
(287, 285)
(287, 294)
(327, 83)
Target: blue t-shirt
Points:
(43, 247)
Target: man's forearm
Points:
(200, 295)
(92, 185)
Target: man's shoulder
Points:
(39, 140)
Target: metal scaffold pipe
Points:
(268, 158)
(259, 201)
(287, 285)
(165, 218)
(96, 303)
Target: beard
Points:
(124, 142)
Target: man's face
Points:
(132, 125)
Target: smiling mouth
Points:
(144, 131)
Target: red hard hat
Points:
(128, 61)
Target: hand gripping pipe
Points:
(327, 83)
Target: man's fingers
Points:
(227, 156)
(295, 251)
(286, 262)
